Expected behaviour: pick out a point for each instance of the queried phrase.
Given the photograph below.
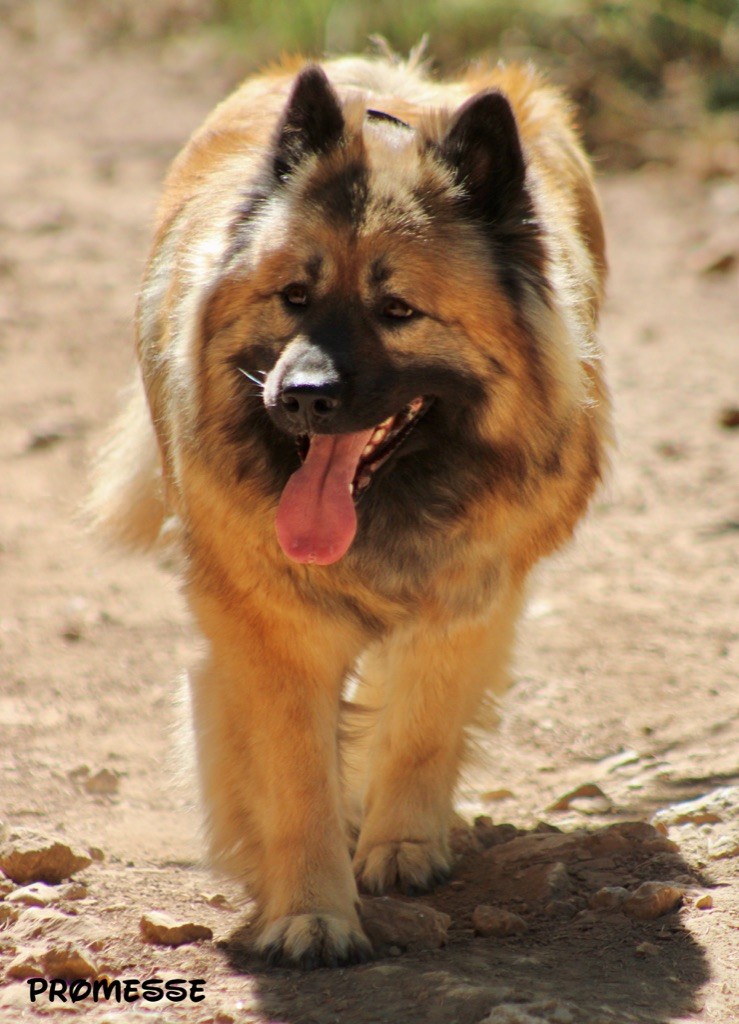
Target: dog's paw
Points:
(412, 865)
(313, 940)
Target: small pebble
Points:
(586, 799)
(74, 891)
(729, 417)
(608, 898)
(102, 783)
(647, 949)
(652, 900)
(217, 900)
(163, 930)
(494, 921)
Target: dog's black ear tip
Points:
(487, 115)
(311, 92)
(311, 79)
(483, 147)
(489, 105)
(312, 121)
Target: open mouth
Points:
(316, 519)
(384, 441)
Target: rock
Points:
(38, 894)
(552, 867)
(652, 900)
(26, 856)
(495, 921)
(24, 965)
(41, 922)
(96, 853)
(660, 845)
(217, 900)
(559, 880)
(704, 902)
(613, 762)
(73, 891)
(493, 795)
(720, 805)
(66, 961)
(546, 826)
(163, 930)
(633, 831)
(463, 840)
(610, 897)
(714, 260)
(45, 435)
(511, 1013)
(390, 922)
(564, 909)
(493, 835)
(102, 783)
(587, 799)
(8, 914)
(729, 417)
(723, 845)
(647, 949)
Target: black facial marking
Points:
(244, 217)
(380, 115)
(379, 272)
(341, 194)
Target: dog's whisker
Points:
(251, 377)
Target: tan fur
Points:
(433, 635)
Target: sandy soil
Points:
(627, 672)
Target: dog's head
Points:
(372, 335)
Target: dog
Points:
(370, 400)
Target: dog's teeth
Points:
(368, 449)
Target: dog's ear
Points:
(483, 148)
(312, 121)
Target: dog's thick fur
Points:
(364, 233)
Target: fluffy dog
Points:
(370, 401)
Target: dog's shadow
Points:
(578, 959)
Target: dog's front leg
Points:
(433, 676)
(265, 707)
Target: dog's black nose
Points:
(309, 406)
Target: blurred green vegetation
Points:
(654, 80)
(646, 74)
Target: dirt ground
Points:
(628, 661)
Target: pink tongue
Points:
(316, 521)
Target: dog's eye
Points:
(296, 295)
(396, 309)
